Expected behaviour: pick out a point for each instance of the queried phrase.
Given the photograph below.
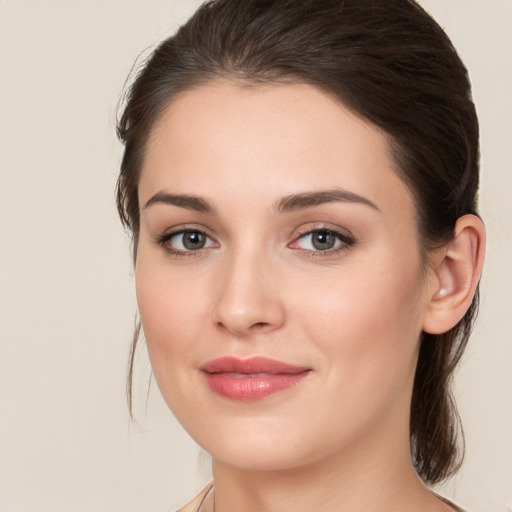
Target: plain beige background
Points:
(67, 300)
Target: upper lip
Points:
(253, 365)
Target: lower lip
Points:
(252, 387)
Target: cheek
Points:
(173, 314)
(367, 325)
(172, 310)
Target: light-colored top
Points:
(453, 505)
(196, 503)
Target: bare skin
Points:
(306, 251)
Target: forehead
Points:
(226, 141)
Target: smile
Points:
(251, 379)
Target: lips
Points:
(251, 379)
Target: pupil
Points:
(323, 240)
(193, 240)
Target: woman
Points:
(300, 181)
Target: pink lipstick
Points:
(251, 379)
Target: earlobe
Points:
(455, 276)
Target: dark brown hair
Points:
(391, 63)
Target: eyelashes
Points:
(322, 240)
(314, 241)
(187, 242)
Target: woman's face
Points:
(279, 276)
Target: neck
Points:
(377, 477)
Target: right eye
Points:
(188, 240)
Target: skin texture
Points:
(353, 314)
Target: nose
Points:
(248, 299)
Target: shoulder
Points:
(194, 505)
(455, 507)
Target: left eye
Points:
(189, 240)
(322, 240)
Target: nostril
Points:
(259, 325)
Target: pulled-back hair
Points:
(392, 64)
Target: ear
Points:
(456, 271)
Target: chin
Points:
(258, 457)
(256, 445)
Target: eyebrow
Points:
(195, 203)
(312, 199)
(286, 204)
